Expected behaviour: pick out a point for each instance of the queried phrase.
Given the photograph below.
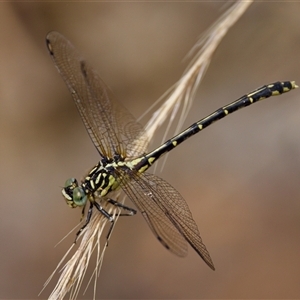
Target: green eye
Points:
(79, 196)
(71, 182)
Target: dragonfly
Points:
(122, 145)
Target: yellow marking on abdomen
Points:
(143, 169)
(151, 160)
(275, 93)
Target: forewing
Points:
(111, 127)
(167, 214)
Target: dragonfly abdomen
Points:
(259, 94)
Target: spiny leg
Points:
(130, 210)
(106, 214)
(83, 212)
(103, 211)
(89, 216)
(87, 221)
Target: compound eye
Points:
(79, 196)
(71, 182)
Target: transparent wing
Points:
(111, 127)
(166, 213)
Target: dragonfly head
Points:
(74, 194)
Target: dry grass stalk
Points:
(182, 93)
(73, 272)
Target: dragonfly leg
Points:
(130, 210)
(109, 232)
(89, 215)
(103, 211)
(87, 221)
(82, 212)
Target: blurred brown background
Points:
(240, 177)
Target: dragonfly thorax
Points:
(101, 180)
